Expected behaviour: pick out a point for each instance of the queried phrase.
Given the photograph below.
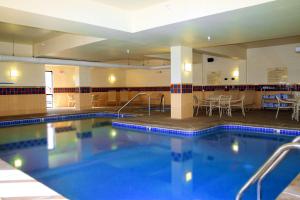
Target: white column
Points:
(181, 82)
(83, 82)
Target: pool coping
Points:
(150, 128)
(60, 117)
(292, 191)
(16, 184)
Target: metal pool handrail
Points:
(270, 164)
(162, 103)
(275, 163)
(133, 98)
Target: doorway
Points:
(49, 88)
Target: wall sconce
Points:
(14, 74)
(112, 79)
(236, 73)
(188, 67)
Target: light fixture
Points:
(209, 38)
(188, 67)
(188, 176)
(112, 79)
(14, 73)
(236, 73)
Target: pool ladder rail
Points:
(267, 167)
(161, 107)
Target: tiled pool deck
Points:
(15, 184)
(292, 192)
(263, 121)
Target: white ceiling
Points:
(130, 4)
(24, 34)
(265, 22)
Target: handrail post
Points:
(267, 165)
(163, 103)
(149, 105)
(274, 164)
(140, 93)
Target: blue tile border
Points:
(165, 131)
(226, 127)
(23, 144)
(58, 118)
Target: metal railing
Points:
(133, 98)
(268, 166)
(162, 103)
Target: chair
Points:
(285, 104)
(71, 100)
(214, 103)
(225, 104)
(200, 104)
(295, 114)
(195, 105)
(239, 103)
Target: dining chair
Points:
(214, 103)
(286, 104)
(198, 104)
(71, 100)
(296, 101)
(225, 105)
(239, 103)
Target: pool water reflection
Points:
(88, 159)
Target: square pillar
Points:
(181, 82)
(83, 97)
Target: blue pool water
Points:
(88, 159)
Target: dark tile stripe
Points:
(73, 90)
(185, 88)
(21, 90)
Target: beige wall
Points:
(148, 78)
(28, 74)
(225, 66)
(63, 76)
(22, 104)
(259, 59)
(100, 77)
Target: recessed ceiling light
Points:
(208, 38)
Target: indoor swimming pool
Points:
(90, 159)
